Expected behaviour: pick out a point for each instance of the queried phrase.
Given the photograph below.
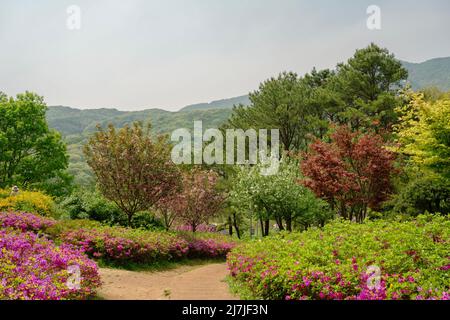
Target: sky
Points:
(140, 54)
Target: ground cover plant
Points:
(124, 245)
(343, 261)
(34, 268)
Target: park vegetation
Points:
(363, 187)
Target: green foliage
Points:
(29, 152)
(424, 134)
(334, 262)
(279, 196)
(77, 125)
(366, 87)
(429, 193)
(93, 206)
(284, 103)
(146, 220)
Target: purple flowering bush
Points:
(33, 268)
(25, 221)
(207, 244)
(344, 260)
(122, 245)
(200, 228)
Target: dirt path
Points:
(184, 283)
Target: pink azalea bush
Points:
(25, 221)
(208, 245)
(33, 268)
(341, 261)
(117, 244)
(122, 245)
(200, 228)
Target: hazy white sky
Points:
(139, 54)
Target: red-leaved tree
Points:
(353, 172)
(198, 200)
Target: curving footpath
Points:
(184, 283)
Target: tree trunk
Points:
(262, 226)
(289, 223)
(230, 226)
(279, 223)
(266, 227)
(236, 227)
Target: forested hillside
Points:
(75, 125)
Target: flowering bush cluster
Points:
(208, 245)
(29, 201)
(24, 221)
(344, 260)
(33, 268)
(200, 228)
(119, 244)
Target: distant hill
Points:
(76, 125)
(431, 73)
(219, 104)
(71, 121)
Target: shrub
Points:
(29, 201)
(146, 220)
(210, 245)
(335, 262)
(25, 221)
(426, 194)
(122, 245)
(33, 268)
(92, 205)
(200, 228)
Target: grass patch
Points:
(158, 265)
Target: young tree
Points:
(198, 200)
(132, 170)
(423, 141)
(353, 172)
(167, 210)
(30, 153)
(279, 197)
(424, 133)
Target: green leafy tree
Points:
(132, 170)
(30, 153)
(423, 141)
(424, 134)
(282, 103)
(365, 89)
(278, 197)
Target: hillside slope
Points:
(431, 73)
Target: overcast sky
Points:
(138, 54)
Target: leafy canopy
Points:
(30, 153)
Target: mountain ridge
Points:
(70, 121)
